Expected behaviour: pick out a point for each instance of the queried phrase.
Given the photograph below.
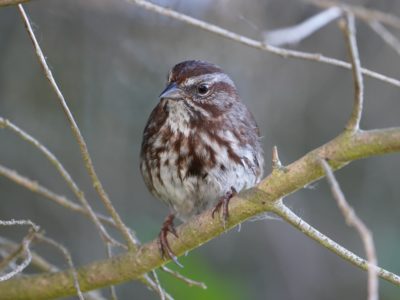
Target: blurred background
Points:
(111, 59)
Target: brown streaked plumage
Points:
(200, 144)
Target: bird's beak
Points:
(172, 91)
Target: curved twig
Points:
(353, 220)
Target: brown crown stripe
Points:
(192, 68)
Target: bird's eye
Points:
(202, 89)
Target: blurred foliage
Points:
(220, 285)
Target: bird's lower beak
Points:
(172, 91)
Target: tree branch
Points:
(265, 197)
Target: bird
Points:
(200, 146)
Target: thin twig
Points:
(276, 162)
(156, 286)
(288, 215)
(362, 13)
(4, 123)
(27, 260)
(67, 257)
(188, 281)
(38, 261)
(286, 53)
(353, 220)
(7, 260)
(35, 187)
(386, 35)
(126, 233)
(24, 249)
(349, 31)
(160, 290)
(13, 222)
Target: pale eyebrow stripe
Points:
(211, 78)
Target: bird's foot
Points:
(165, 249)
(224, 204)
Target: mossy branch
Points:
(265, 197)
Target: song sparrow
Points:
(200, 144)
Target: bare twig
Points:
(386, 35)
(24, 249)
(349, 31)
(286, 53)
(276, 162)
(13, 222)
(295, 34)
(11, 256)
(35, 187)
(160, 290)
(7, 260)
(156, 287)
(4, 123)
(27, 260)
(362, 13)
(188, 281)
(288, 215)
(126, 233)
(67, 257)
(353, 220)
(38, 261)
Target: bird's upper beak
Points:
(172, 91)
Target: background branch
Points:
(4, 123)
(353, 220)
(386, 35)
(23, 249)
(360, 12)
